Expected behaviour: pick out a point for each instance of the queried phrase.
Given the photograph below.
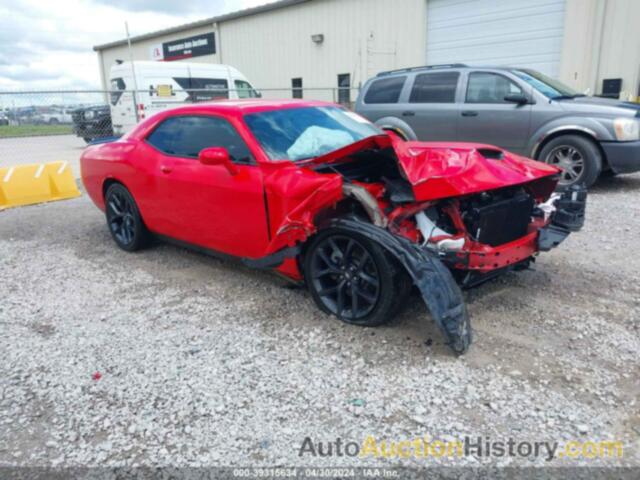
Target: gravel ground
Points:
(204, 362)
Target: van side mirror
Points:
(518, 98)
(217, 156)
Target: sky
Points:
(48, 44)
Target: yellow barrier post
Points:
(36, 183)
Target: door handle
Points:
(469, 113)
(166, 169)
(408, 113)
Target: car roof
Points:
(450, 66)
(247, 106)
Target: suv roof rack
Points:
(424, 67)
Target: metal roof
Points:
(206, 22)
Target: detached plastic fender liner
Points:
(437, 286)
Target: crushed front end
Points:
(452, 215)
(486, 234)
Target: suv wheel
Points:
(578, 157)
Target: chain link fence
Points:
(45, 126)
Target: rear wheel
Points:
(351, 277)
(124, 220)
(579, 159)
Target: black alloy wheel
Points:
(352, 278)
(123, 219)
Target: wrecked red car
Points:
(325, 198)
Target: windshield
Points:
(548, 86)
(307, 132)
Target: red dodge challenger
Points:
(325, 198)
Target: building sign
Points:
(156, 52)
(196, 46)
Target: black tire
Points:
(579, 158)
(87, 139)
(356, 267)
(403, 284)
(123, 219)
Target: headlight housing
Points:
(627, 129)
(89, 114)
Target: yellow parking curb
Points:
(36, 183)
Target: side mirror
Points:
(217, 156)
(518, 98)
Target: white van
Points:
(162, 85)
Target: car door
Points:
(486, 117)
(206, 205)
(430, 109)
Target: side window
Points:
(437, 87)
(344, 89)
(244, 89)
(186, 136)
(385, 90)
(485, 87)
(296, 88)
(203, 89)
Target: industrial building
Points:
(592, 45)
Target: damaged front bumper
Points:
(568, 217)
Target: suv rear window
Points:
(435, 88)
(385, 90)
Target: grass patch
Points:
(33, 130)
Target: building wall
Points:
(602, 40)
(361, 37)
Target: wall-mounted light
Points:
(317, 38)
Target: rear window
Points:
(435, 88)
(385, 90)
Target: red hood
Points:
(441, 170)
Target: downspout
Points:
(103, 80)
(216, 28)
(600, 13)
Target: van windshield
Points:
(307, 132)
(245, 90)
(117, 87)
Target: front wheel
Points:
(124, 220)
(579, 159)
(351, 277)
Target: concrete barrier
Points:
(36, 183)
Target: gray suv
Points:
(518, 109)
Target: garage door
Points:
(496, 32)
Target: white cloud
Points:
(48, 45)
